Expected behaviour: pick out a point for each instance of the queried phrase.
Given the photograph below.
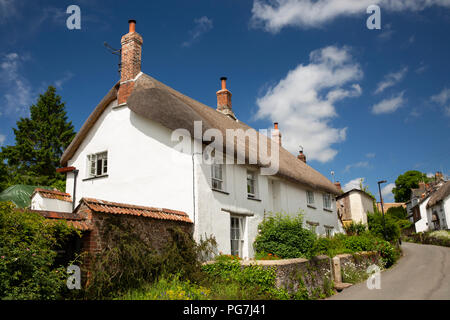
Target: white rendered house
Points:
(126, 152)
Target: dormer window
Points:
(98, 164)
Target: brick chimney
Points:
(338, 185)
(301, 156)
(131, 61)
(276, 134)
(439, 176)
(224, 99)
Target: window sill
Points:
(326, 209)
(311, 206)
(96, 177)
(220, 191)
(254, 199)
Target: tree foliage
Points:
(28, 244)
(406, 181)
(41, 140)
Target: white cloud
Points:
(352, 184)
(389, 105)
(303, 102)
(67, 76)
(202, 25)
(370, 155)
(386, 192)
(18, 96)
(7, 9)
(391, 79)
(443, 98)
(2, 139)
(361, 164)
(273, 15)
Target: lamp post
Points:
(382, 207)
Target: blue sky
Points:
(363, 103)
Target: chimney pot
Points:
(301, 156)
(276, 135)
(275, 124)
(224, 99)
(132, 24)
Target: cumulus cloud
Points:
(18, 94)
(391, 79)
(273, 15)
(389, 105)
(352, 184)
(303, 102)
(386, 192)
(202, 25)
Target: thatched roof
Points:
(440, 194)
(156, 101)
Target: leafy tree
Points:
(376, 226)
(406, 181)
(28, 255)
(40, 141)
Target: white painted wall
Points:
(423, 223)
(141, 167)
(442, 209)
(40, 203)
(144, 169)
(359, 206)
(446, 205)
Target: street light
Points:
(382, 207)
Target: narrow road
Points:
(423, 273)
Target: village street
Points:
(422, 273)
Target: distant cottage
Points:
(123, 161)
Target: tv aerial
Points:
(117, 52)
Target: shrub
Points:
(284, 236)
(389, 254)
(355, 228)
(28, 244)
(375, 222)
(359, 243)
(128, 262)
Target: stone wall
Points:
(314, 275)
(319, 273)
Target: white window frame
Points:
(310, 197)
(327, 196)
(237, 235)
(254, 179)
(329, 231)
(93, 160)
(312, 226)
(217, 182)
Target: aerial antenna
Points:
(301, 149)
(117, 52)
(332, 173)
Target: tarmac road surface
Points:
(423, 273)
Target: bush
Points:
(285, 236)
(128, 262)
(355, 228)
(28, 244)
(438, 238)
(375, 222)
(359, 243)
(389, 254)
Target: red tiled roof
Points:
(73, 219)
(53, 194)
(128, 209)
